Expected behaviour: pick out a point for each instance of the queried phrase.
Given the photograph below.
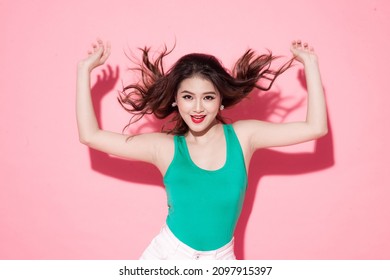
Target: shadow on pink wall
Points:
(126, 170)
(264, 162)
(269, 162)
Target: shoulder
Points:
(245, 128)
(163, 147)
(248, 131)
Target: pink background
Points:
(320, 200)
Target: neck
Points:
(204, 136)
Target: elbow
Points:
(87, 137)
(321, 132)
(85, 140)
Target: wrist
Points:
(310, 60)
(83, 67)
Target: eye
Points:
(187, 97)
(209, 97)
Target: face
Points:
(198, 102)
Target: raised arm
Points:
(86, 119)
(143, 147)
(259, 134)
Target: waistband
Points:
(175, 242)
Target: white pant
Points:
(166, 246)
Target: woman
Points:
(203, 161)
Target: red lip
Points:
(198, 119)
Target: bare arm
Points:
(140, 147)
(259, 134)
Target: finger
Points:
(299, 43)
(101, 44)
(293, 47)
(107, 52)
(104, 57)
(98, 47)
(294, 44)
(108, 47)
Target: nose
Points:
(198, 106)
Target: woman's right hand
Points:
(97, 56)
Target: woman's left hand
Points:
(303, 52)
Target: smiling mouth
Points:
(198, 119)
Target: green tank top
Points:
(204, 205)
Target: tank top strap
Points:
(235, 153)
(181, 149)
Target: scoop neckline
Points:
(203, 169)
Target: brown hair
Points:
(157, 89)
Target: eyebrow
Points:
(204, 93)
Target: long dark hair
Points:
(157, 89)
